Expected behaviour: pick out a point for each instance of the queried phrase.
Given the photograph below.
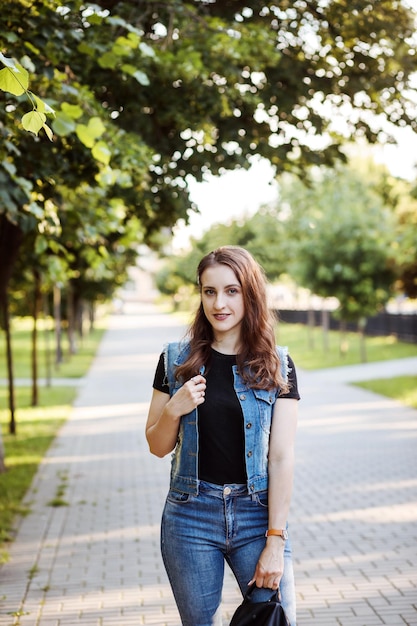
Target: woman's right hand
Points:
(165, 414)
(189, 396)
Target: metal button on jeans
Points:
(227, 491)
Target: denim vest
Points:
(257, 407)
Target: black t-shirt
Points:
(220, 420)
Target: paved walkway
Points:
(97, 562)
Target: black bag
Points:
(268, 613)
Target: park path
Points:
(96, 561)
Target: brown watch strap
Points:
(275, 532)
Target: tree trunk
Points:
(310, 327)
(9, 357)
(48, 366)
(91, 315)
(362, 340)
(2, 457)
(343, 345)
(2, 461)
(325, 321)
(58, 329)
(71, 320)
(79, 315)
(36, 309)
(11, 238)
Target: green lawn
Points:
(307, 348)
(401, 388)
(71, 365)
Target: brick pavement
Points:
(97, 561)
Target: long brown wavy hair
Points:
(258, 362)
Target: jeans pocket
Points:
(261, 498)
(178, 497)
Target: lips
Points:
(222, 317)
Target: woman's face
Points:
(222, 298)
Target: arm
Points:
(165, 414)
(270, 566)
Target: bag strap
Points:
(275, 597)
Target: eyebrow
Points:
(225, 287)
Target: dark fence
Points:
(403, 326)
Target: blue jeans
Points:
(199, 533)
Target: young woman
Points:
(225, 401)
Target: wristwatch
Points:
(278, 533)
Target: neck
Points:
(226, 345)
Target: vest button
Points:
(242, 396)
(249, 425)
(249, 453)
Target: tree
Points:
(144, 98)
(343, 229)
(148, 93)
(405, 246)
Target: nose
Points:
(218, 303)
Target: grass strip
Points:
(308, 349)
(401, 388)
(72, 365)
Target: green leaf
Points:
(146, 50)
(9, 167)
(108, 60)
(84, 135)
(34, 209)
(88, 134)
(42, 106)
(41, 244)
(48, 132)
(140, 76)
(101, 152)
(84, 48)
(7, 61)
(124, 45)
(63, 125)
(72, 110)
(96, 127)
(15, 80)
(33, 121)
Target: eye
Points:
(208, 292)
(233, 290)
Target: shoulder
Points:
(176, 347)
(175, 353)
(289, 373)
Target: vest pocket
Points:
(265, 401)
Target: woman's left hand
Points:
(270, 567)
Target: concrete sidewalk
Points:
(97, 560)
